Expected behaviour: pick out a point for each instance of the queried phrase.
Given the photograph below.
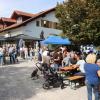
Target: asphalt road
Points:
(16, 84)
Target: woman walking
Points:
(92, 72)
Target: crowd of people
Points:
(11, 52)
(8, 50)
(62, 57)
(88, 65)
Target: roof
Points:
(23, 36)
(10, 27)
(1, 26)
(2, 38)
(29, 20)
(8, 19)
(20, 13)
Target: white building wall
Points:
(51, 17)
(13, 32)
(33, 30)
(17, 31)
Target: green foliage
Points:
(80, 20)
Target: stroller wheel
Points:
(56, 85)
(46, 85)
(37, 76)
(62, 86)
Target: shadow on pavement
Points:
(17, 62)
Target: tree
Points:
(80, 20)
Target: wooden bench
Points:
(76, 79)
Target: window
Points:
(42, 23)
(49, 24)
(56, 26)
(37, 23)
(19, 20)
(45, 23)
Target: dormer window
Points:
(19, 19)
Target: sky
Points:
(32, 6)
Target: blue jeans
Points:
(93, 88)
(1, 60)
(12, 58)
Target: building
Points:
(34, 25)
(16, 17)
(39, 25)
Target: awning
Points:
(57, 40)
(2, 38)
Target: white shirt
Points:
(11, 49)
(45, 53)
(81, 65)
(46, 60)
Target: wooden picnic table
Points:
(68, 68)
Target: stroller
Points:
(34, 74)
(42, 67)
(52, 79)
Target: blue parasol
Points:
(57, 40)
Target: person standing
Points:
(92, 72)
(31, 53)
(26, 53)
(10, 51)
(4, 54)
(40, 55)
(80, 64)
(44, 53)
(66, 58)
(1, 56)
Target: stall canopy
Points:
(57, 40)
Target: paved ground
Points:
(16, 84)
